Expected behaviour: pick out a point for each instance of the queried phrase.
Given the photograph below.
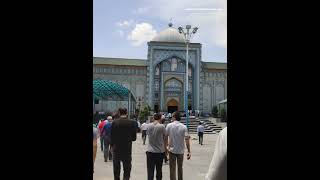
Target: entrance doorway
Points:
(172, 105)
(172, 109)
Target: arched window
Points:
(173, 85)
(157, 72)
(189, 70)
(166, 66)
(181, 67)
(173, 64)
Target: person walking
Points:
(156, 148)
(123, 132)
(139, 126)
(200, 131)
(177, 134)
(169, 115)
(163, 116)
(144, 128)
(166, 152)
(100, 126)
(95, 138)
(107, 139)
(218, 165)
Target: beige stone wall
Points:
(214, 88)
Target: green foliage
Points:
(143, 115)
(215, 111)
(223, 114)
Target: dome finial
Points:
(170, 23)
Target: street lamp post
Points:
(187, 37)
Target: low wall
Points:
(218, 122)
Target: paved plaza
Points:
(194, 169)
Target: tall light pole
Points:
(187, 37)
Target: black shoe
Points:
(105, 160)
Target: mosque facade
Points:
(159, 80)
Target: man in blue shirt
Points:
(107, 139)
(200, 130)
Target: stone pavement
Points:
(194, 169)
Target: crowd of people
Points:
(166, 143)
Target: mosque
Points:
(158, 80)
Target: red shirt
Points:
(101, 125)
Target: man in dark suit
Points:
(123, 132)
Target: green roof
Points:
(105, 89)
(119, 61)
(214, 65)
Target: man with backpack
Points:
(106, 135)
(100, 126)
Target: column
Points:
(129, 105)
(211, 96)
(214, 92)
(150, 79)
(197, 79)
(161, 93)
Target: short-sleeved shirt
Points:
(177, 133)
(156, 132)
(144, 126)
(107, 129)
(200, 128)
(95, 133)
(101, 125)
(218, 166)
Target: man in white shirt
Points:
(218, 166)
(200, 131)
(178, 135)
(95, 137)
(144, 128)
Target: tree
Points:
(223, 114)
(215, 111)
(143, 115)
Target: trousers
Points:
(154, 161)
(126, 163)
(176, 159)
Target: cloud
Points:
(209, 15)
(125, 23)
(141, 10)
(121, 33)
(141, 34)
